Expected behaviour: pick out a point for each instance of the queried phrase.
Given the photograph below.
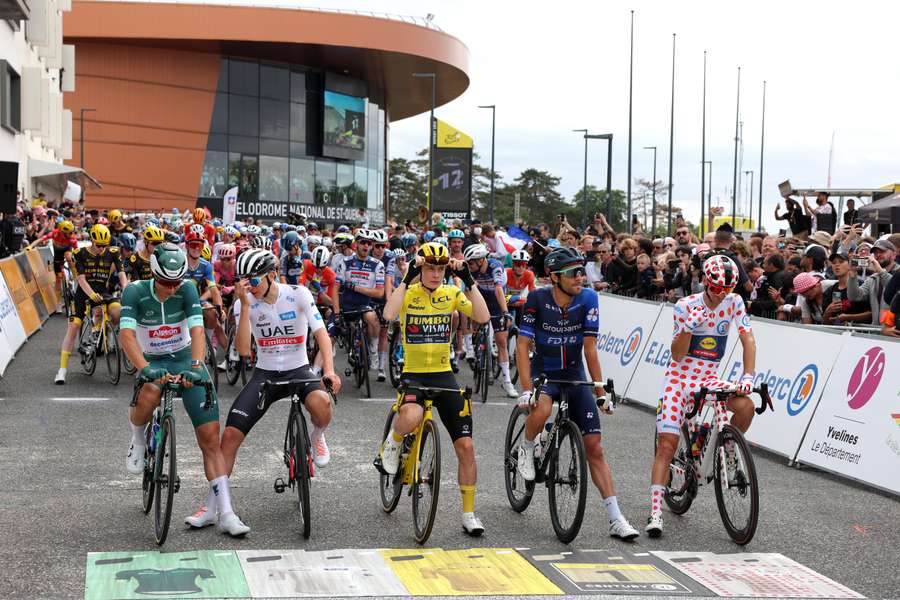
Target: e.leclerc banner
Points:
(625, 325)
(451, 170)
(856, 427)
(795, 361)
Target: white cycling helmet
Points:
(326, 241)
(520, 256)
(261, 241)
(255, 262)
(320, 257)
(475, 252)
(252, 230)
(378, 236)
(314, 240)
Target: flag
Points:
(229, 205)
(513, 242)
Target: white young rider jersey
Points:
(280, 329)
(709, 337)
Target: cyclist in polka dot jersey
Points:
(701, 325)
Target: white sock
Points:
(211, 501)
(219, 488)
(382, 360)
(373, 347)
(467, 340)
(316, 370)
(612, 508)
(504, 368)
(316, 432)
(137, 434)
(528, 443)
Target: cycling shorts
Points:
(682, 379)
(245, 411)
(59, 257)
(455, 412)
(583, 409)
(80, 303)
(493, 305)
(193, 398)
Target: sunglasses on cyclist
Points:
(364, 242)
(520, 264)
(573, 272)
(380, 246)
(437, 260)
(719, 289)
(254, 281)
(168, 283)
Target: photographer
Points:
(883, 266)
(799, 223)
(770, 284)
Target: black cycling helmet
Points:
(562, 259)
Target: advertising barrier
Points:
(8, 316)
(855, 430)
(45, 280)
(21, 296)
(625, 326)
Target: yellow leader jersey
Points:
(426, 319)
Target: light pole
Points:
(762, 143)
(653, 218)
(708, 200)
(703, 149)
(81, 118)
(609, 140)
(750, 207)
(737, 138)
(671, 137)
(584, 187)
(493, 129)
(630, 95)
(431, 140)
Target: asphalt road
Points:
(64, 490)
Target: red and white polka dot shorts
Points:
(681, 380)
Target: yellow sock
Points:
(396, 436)
(468, 498)
(64, 359)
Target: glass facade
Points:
(265, 138)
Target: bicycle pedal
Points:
(280, 485)
(348, 372)
(378, 466)
(177, 485)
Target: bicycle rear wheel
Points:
(166, 479)
(211, 365)
(568, 482)
(362, 360)
(390, 486)
(427, 485)
(113, 354)
(232, 367)
(737, 488)
(148, 483)
(518, 491)
(301, 466)
(511, 345)
(86, 348)
(682, 486)
(395, 355)
(248, 363)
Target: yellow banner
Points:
(449, 136)
(740, 223)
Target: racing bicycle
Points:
(712, 449)
(395, 353)
(420, 461)
(104, 340)
(356, 341)
(481, 363)
(562, 462)
(160, 480)
(297, 454)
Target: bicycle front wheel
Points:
(232, 367)
(211, 365)
(395, 350)
(390, 486)
(427, 484)
(148, 483)
(113, 354)
(518, 491)
(682, 486)
(737, 488)
(568, 483)
(86, 347)
(166, 479)
(362, 364)
(301, 466)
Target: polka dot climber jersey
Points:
(709, 337)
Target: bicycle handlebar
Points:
(405, 385)
(175, 385)
(765, 401)
(291, 385)
(608, 387)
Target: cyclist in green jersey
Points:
(162, 335)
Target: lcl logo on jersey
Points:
(865, 378)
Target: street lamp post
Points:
(584, 187)
(737, 138)
(493, 129)
(609, 140)
(708, 200)
(653, 218)
(431, 140)
(750, 208)
(81, 118)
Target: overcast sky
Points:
(551, 67)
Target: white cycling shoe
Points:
(622, 529)
(472, 525)
(202, 518)
(525, 464)
(510, 389)
(134, 461)
(232, 525)
(60, 377)
(381, 376)
(321, 454)
(654, 526)
(390, 456)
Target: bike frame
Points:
(411, 467)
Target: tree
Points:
(597, 203)
(539, 198)
(406, 188)
(645, 194)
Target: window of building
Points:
(249, 176)
(10, 98)
(303, 181)
(326, 181)
(360, 179)
(219, 122)
(214, 176)
(273, 178)
(243, 115)
(274, 82)
(345, 183)
(298, 122)
(243, 77)
(298, 87)
(274, 119)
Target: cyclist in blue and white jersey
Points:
(291, 261)
(380, 252)
(361, 280)
(563, 320)
(490, 279)
(341, 249)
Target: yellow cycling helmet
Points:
(115, 215)
(154, 234)
(66, 227)
(206, 253)
(100, 235)
(434, 253)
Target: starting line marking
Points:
(79, 399)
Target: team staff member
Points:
(427, 362)
(94, 269)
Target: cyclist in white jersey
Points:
(280, 317)
(700, 331)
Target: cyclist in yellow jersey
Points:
(426, 310)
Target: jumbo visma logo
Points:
(625, 348)
(795, 392)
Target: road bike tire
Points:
(362, 360)
(395, 347)
(113, 354)
(88, 361)
(748, 485)
(248, 363)
(680, 499)
(518, 491)
(127, 367)
(166, 479)
(511, 345)
(574, 478)
(148, 483)
(428, 482)
(485, 374)
(232, 367)
(495, 361)
(301, 472)
(210, 359)
(390, 486)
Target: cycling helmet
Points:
(252, 230)
(115, 215)
(172, 237)
(206, 253)
(226, 251)
(266, 230)
(313, 240)
(127, 241)
(194, 236)
(255, 262)
(326, 241)
(475, 252)
(563, 259)
(301, 228)
(261, 241)
(199, 215)
(232, 231)
(217, 222)
(276, 225)
(456, 233)
(320, 257)
(408, 240)
(343, 229)
(379, 236)
(154, 234)
(520, 256)
(310, 226)
(102, 221)
(100, 235)
(289, 227)
(720, 271)
(343, 238)
(428, 236)
(290, 239)
(442, 241)
(177, 224)
(67, 227)
(363, 234)
(434, 253)
(168, 262)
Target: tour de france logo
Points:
(865, 378)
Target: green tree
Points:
(597, 203)
(539, 198)
(406, 188)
